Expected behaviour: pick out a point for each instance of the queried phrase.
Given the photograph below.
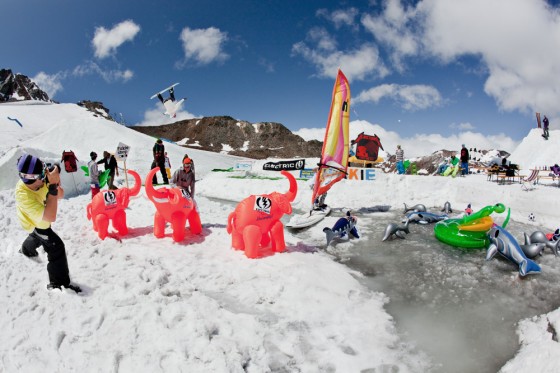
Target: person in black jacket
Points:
(464, 160)
(159, 161)
(110, 163)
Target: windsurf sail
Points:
(333, 164)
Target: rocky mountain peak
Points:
(18, 86)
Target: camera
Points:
(50, 168)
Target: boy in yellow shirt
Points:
(37, 194)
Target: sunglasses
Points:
(188, 165)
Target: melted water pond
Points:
(454, 305)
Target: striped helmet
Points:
(30, 168)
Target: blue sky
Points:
(457, 70)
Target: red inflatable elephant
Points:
(109, 205)
(256, 221)
(173, 205)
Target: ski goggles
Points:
(31, 178)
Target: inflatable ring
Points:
(470, 231)
(480, 225)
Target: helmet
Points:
(93, 155)
(30, 168)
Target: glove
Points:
(53, 189)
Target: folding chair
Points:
(527, 183)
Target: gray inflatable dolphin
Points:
(447, 208)
(424, 217)
(415, 208)
(539, 239)
(532, 250)
(501, 241)
(396, 230)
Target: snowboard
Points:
(164, 90)
(308, 219)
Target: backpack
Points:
(69, 159)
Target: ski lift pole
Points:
(125, 175)
(75, 186)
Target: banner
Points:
(243, 165)
(307, 173)
(539, 119)
(122, 152)
(298, 164)
(361, 174)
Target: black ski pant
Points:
(56, 254)
(161, 165)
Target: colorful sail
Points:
(334, 156)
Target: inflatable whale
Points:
(501, 241)
(342, 227)
(424, 217)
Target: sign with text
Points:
(297, 164)
(361, 174)
(243, 166)
(122, 152)
(307, 173)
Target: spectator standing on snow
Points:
(400, 158)
(464, 160)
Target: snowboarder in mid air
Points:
(171, 96)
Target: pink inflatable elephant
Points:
(255, 222)
(109, 205)
(173, 205)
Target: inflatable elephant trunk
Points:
(158, 195)
(291, 194)
(137, 183)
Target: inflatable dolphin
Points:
(416, 208)
(501, 241)
(342, 227)
(424, 217)
(397, 230)
(539, 238)
(447, 208)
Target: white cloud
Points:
(108, 75)
(517, 43)
(341, 17)
(462, 126)
(204, 45)
(409, 97)
(105, 42)
(394, 30)
(51, 84)
(156, 117)
(356, 64)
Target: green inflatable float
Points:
(103, 176)
(470, 231)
